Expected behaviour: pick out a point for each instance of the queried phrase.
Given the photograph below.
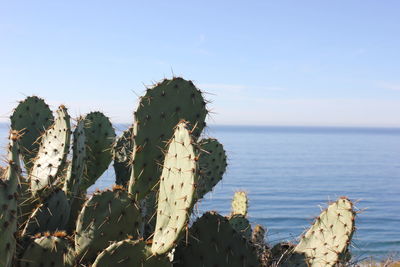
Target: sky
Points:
(319, 63)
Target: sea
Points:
(292, 173)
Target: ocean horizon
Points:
(291, 172)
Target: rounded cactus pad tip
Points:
(100, 136)
(240, 203)
(31, 118)
(130, 253)
(177, 187)
(212, 165)
(213, 242)
(53, 150)
(159, 111)
(330, 235)
(106, 216)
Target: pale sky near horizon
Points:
(261, 62)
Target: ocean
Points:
(291, 173)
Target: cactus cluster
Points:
(163, 167)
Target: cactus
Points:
(329, 236)
(122, 151)
(241, 225)
(159, 111)
(100, 136)
(177, 188)
(51, 215)
(258, 235)
(50, 159)
(77, 166)
(48, 250)
(106, 216)
(213, 242)
(212, 165)
(282, 254)
(130, 253)
(31, 118)
(8, 202)
(240, 203)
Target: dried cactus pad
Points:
(8, 203)
(240, 203)
(51, 215)
(130, 253)
(53, 150)
(106, 216)
(330, 235)
(212, 165)
(159, 111)
(47, 251)
(100, 137)
(31, 118)
(213, 242)
(177, 188)
(258, 235)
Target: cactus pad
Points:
(213, 242)
(241, 225)
(177, 188)
(106, 216)
(53, 150)
(51, 215)
(130, 253)
(47, 251)
(240, 203)
(122, 152)
(159, 111)
(212, 165)
(100, 137)
(31, 118)
(330, 235)
(8, 202)
(77, 166)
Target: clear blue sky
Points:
(263, 62)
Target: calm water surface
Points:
(290, 172)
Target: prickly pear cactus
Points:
(8, 202)
(130, 253)
(77, 166)
(53, 150)
(51, 215)
(177, 190)
(31, 118)
(240, 203)
(282, 255)
(212, 165)
(48, 251)
(329, 236)
(159, 111)
(258, 235)
(100, 137)
(213, 242)
(106, 216)
(122, 152)
(241, 225)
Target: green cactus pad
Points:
(176, 190)
(159, 111)
(100, 137)
(330, 235)
(8, 202)
(130, 253)
(212, 164)
(213, 242)
(107, 216)
(282, 255)
(122, 152)
(241, 225)
(51, 215)
(53, 150)
(27, 203)
(77, 166)
(47, 251)
(31, 118)
(240, 203)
